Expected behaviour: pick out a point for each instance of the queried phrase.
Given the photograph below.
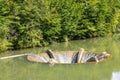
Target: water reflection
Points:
(108, 70)
(116, 75)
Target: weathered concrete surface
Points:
(68, 57)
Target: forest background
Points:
(35, 23)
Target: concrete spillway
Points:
(69, 57)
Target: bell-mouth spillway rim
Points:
(62, 52)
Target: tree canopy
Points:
(31, 23)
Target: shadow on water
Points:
(21, 69)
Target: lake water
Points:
(21, 69)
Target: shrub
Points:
(31, 23)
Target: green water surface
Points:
(21, 69)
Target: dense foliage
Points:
(31, 23)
